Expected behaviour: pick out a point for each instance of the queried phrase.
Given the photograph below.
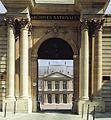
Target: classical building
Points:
(55, 91)
(77, 30)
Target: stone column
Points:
(24, 60)
(84, 67)
(25, 104)
(98, 60)
(53, 98)
(85, 62)
(53, 85)
(61, 98)
(61, 85)
(10, 60)
(10, 98)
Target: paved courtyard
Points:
(52, 116)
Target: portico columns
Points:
(24, 60)
(10, 97)
(11, 60)
(85, 62)
(24, 104)
(98, 61)
(84, 67)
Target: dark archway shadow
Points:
(55, 48)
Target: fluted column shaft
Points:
(24, 61)
(85, 62)
(10, 61)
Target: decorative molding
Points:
(56, 29)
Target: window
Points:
(49, 85)
(49, 98)
(106, 78)
(64, 98)
(64, 84)
(57, 98)
(40, 98)
(57, 85)
(40, 84)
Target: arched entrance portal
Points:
(55, 48)
(59, 49)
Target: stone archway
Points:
(57, 48)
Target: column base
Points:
(99, 104)
(10, 104)
(24, 105)
(83, 104)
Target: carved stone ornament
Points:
(24, 23)
(99, 24)
(9, 21)
(84, 24)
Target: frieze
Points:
(55, 17)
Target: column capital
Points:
(99, 24)
(24, 23)
(9, 22)
(84, 24)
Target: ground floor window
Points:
(57, 98)
(40, 98)
(49, 98)
(64, 98)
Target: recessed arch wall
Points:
(72, 40)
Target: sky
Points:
(2, 8)
(108, 10)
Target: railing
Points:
(88, 113)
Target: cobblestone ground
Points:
(52, 116)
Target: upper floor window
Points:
(57, 85)
(64, 84)
(49, 84)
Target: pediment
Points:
(57, 75)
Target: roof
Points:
(57, 75)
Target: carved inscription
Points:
(55, 17)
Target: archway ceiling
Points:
(55, 48)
